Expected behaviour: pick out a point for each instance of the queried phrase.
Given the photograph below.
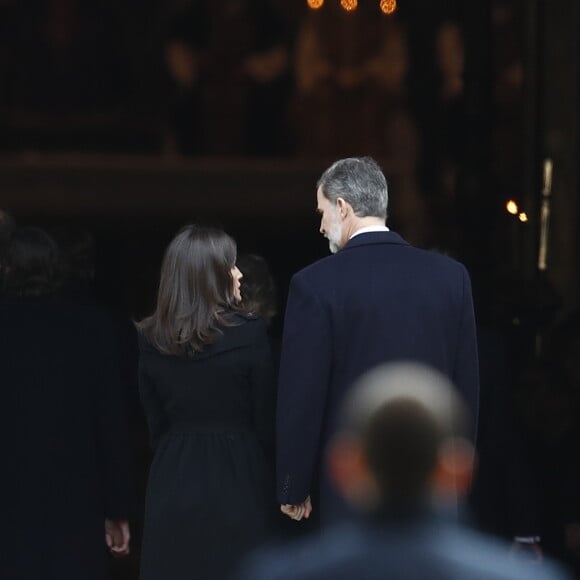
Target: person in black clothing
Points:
(65, 487)
(259, 293)
(260, 297)
(205, 378)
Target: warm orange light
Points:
(388, 6)
(349, 5)
(315, 4)
(523, 217)
(512, 207)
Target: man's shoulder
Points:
(437, 258)
(318, 268)
(325, 271)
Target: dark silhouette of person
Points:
(260, 296)
(66, 465)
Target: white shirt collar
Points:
(368, 229)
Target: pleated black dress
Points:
(210, 494)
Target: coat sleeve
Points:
(152, 405)
(466, 368)
(302, 390)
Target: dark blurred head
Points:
(77, 249)
(32, 263)
(402, 438)
(195, 290)
(258, 289)
(7, 227)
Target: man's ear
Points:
(453, 473)
(342, 207)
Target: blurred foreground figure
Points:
(65, 468)
(400, 451)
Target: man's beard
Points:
(334, 237)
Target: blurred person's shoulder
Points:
(398, 552)
(479, 556)
(315, 556)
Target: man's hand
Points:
(117, 537)
(298, 511)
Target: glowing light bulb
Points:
(315, 4)
(349, 5)
(512, 207)
(388, 6)
(523, 217)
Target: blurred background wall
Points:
(131, 118)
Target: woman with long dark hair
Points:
(206, 384)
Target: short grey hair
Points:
(359, 181)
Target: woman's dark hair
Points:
(259, 295)
(31, 263)
(195, 291)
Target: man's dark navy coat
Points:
(377, 300)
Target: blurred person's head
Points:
(402, 440)
(259, 294)
(199, 284)
(7, 227)
(31, 263)
(351, 193)
(78, 254)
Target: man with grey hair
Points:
(375, 300)
(402, 446)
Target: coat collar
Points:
(372, 238)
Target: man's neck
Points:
(364, 222)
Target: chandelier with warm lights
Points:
(386, 6)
